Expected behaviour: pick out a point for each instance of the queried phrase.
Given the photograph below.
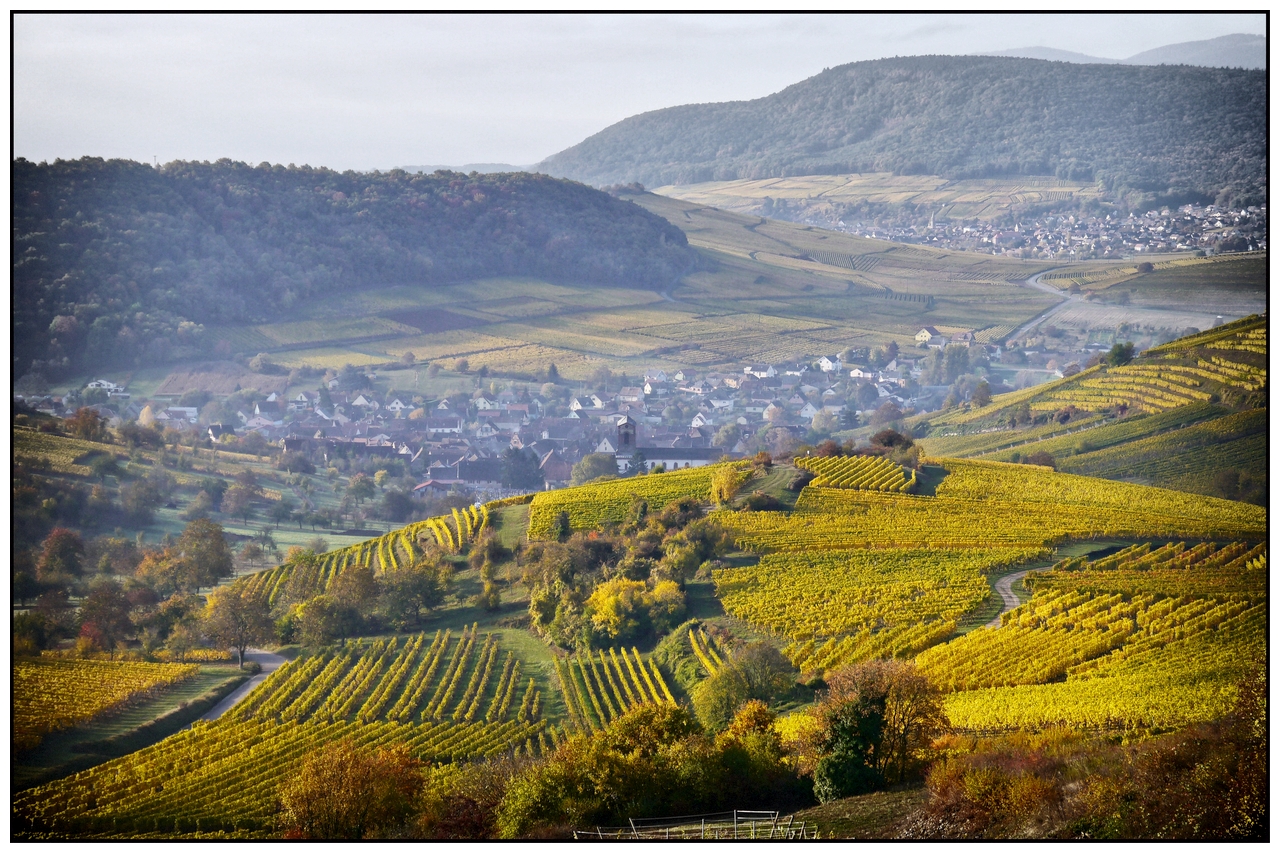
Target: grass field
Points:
(977, 198)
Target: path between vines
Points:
(1004, 586)
(269, 663)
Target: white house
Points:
(829, 364)
(808, 411)
(105, 385)
(721, 405)
(700, 420)
(658, 375)
(484, 404)
(606, 446)
(396, 406)
(760, 371)
(927, 334)
(862, 373)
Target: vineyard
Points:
(1147, 638)
(60, 451)
(991, 505)
(1131, 428)
(592, 505)
(1226, 364)
(839, 607)
(870, 473)
(1185, 457)
(599, 687)
(445, 698)
(397, 549)
(50, 694)
(705, 650)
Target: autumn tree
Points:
(237, 620)
(204, 551)
(61, 556)
(104, 615)
(410, 590)
(343, 791)
(872, 724)
(87, 424)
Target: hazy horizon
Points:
(378, 91)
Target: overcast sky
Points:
(377, 91)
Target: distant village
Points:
(1078, 237)
(674, 420)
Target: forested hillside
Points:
(118, 263)
(1175, 130)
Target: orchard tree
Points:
(361, 488)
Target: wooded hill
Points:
(118, 263)
(1174, 131)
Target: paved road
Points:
(269, 662)
(1035, 283)
(1004, 586)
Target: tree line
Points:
(119, 263)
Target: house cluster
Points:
(1072, 236)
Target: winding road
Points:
(269, 662)
(1004, 586)
(1035, 284)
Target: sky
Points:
(379, 91)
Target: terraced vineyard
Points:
(991, 505)
(1185, 458)
(705, 650)
(50, 694)
(449, 533)
(60, 451)
(838, 607)
(599, 687)
(1226, 364)
(592, 505)
(445, 699)
(870, 473)
(1146, 638)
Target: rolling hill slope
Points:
(1151, 129)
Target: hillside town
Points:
(1075, 235)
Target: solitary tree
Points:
(205, 553)
(237, 620)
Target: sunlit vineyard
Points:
(446, 698)
(60, 451)
(397, 549)
(593, 505)
(50, 694)
(991, 505)
(1147, 637)
(600, 686)
(840, 607)
(870, 473)
(706, 650)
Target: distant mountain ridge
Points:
(1151, 130)
(1238, 50)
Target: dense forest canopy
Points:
(119, 263)
(1162, 130)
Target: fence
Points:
(723, 825)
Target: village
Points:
(659, 420)
(1078, 236)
